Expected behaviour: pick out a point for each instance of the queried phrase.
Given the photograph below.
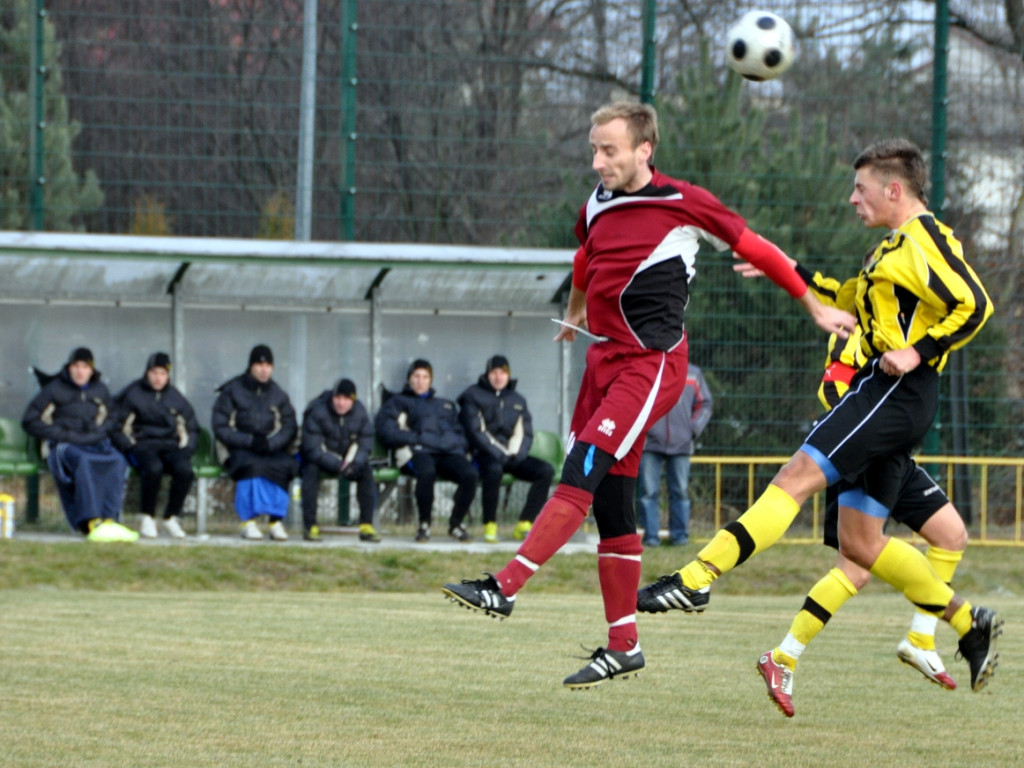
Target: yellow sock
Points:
(783, 658)
(756, 529)
(962, 620)
(696, 575)
(922, 629)
(943, 561)
(823, 600)
(905, 568)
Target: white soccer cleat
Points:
(147, 527)
(928, 663)
(277, 531)
(173, 528)
(251, 532)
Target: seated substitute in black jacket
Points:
(72, 416)
(425, 433)
(337, 440)
(500, 431)
(254, 423)
(158, 433)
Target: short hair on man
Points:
(897, 158)
(641, 120)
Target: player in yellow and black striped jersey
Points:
(916, 299)
(921, 505)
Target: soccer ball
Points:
(760, 46)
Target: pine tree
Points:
(66, 196)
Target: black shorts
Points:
(919, 498)
(879, 421)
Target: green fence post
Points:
(649, 52)
(349, 27)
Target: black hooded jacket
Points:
(426, 423)
(498, 424)
(329, 439)
(152, 420)
(63, 412)
(246, 410)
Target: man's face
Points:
(873, 197)
(158, 377)
(342, 404)
(498, 378)
(420, 380)
(80, 372)
(622, 167)
(261, 372)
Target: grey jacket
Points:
(673, 434)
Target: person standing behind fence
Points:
(669, 445)
(428, 441)
(500, 431)
(72, 415)
(337, 440)
(158, 433)
(254, 423)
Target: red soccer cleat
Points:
(779, 680)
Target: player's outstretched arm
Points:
(768, 259)
(829, 319)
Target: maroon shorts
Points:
(625, 389)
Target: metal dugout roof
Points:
(84, 268)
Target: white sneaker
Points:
(277, 531)
(928, 663)
(251, 532)
(173, 528)
(147, 527)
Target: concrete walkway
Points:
(333, 537)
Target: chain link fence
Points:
(465, 122)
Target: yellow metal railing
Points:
(980, 528)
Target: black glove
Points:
(353, 470)
(259, 444)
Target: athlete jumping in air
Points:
(639, 233)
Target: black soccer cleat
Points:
(978, 646)
(669, 593)
(604, 665)
(481, 594)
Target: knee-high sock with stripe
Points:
(618, 567)
(822, 601)
(922, 626)
(754, 531)
(560, 518)
(905, 568)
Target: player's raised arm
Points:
(766, 257)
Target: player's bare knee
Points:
(945, 529)
(858, 576)
(859, 552)
(800, 477)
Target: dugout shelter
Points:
(327, 309)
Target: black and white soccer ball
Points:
(760, 46)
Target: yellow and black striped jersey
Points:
(915, 290)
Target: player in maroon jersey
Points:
(639, 233)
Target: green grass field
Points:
(135, 656)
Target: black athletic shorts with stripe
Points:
(864, 444)
(919, 498)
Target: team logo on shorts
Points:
(607, 427)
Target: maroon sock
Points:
(560, 518)
(619, 569)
